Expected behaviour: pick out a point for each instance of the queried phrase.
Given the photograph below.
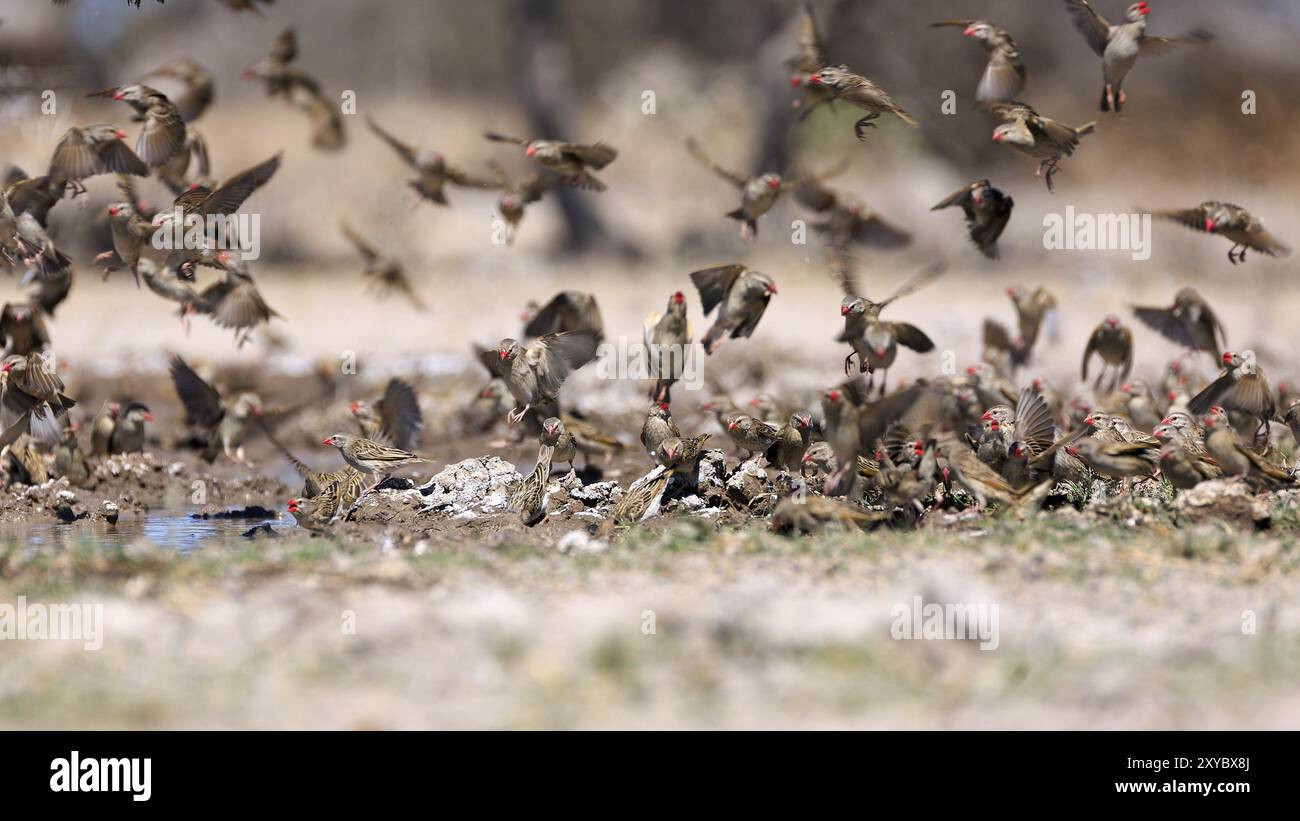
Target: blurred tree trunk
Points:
(544, 86)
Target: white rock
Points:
(580, 542)
(479, 485)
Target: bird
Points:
(758, 193)
(1118, 46)
(643, 498)
(386, 274)
(33, 195)
(668, 338)
(529, 499)
(131, 233)
(1232, 222)
(198, 86)
(589, 439)
(534, 372)
(1117, 460)
(1189, 321)
(164, 127)
(751, 435)
(559, 440)
(69, 460)
(101, 429)
(808, 513)
(514, 199)
(857, 91)
(1236, 459)
(394, 418)
(573, 162)
(369, 456)
(740, 294)
(281, 79)
(1004, 75)
(848, 220)
(1040, 137)
(431, 166)
(92, 150)
(658, 426)
(128, 430)
(220, 423)
(681, 455)
(1113, 342)
(792, 442)
(987, 211)
(1242, 387)
(862, 319)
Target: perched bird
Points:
(101, 430)
(529, 500)
(556, 437)
(1004, 75)
(848, 220)
(1113, 342)
(1236, 459)
(757, 194)
(164, 127)
(394, 418)
(69, 461)
(573, 162)
(859, 92)
(741, 296)
(93, 150)
(806, 513)
(643, 498)
(1117, 460)
(369, 456)
(681, 455)
(386, 274)
(221, 423)
(987, 212)
(590, 440)
(1118, 46)
(566, 311)
(1189, 321)
(1232, 222)
(667, 338)
(751, 435)
(315, 513)
(514, 200)
(658, 427)
(1040, 137)
(434, 172)
(128, 432)
(534, 372)
(792, 442)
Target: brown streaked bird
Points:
(164, 127)
(198, 90)
(431, 166)
(987, 212)
(1242, 387)
(235, 302)
(1118, 460)
(859, 92)
(344, 485)
(567, 311)
(130, 233)
(1004, 75)
(751, 435)
(681, 455)
(314, 514)
(759, 193)
(1179, 468)
(92, 150)
(741, 296)
(849, 220)
(1033, 309)
(369, 456)
(792, 443)
(1231, 222)
(514, 200)
(384, 273)
(176, 173)
(69, 461)
(658, 426)
(33, 195)
(668, 338)
(1118, 46)
(1040, 137)
(1113, 342)
(394, 418)
(128, 432)
(1189, 321)
(978, 479)
(1232, 455)
(643, 498)
(558, 438)
(573, 162)
(221, 423)
(535, 372)
(529, 500)
(807, 513)
(589, 440)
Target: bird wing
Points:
(815, 196)
(400, 410)
(955, 23)
(74, 157)
(1003, 77)
(715, 283)
(285, 46)
(1128, 351)
(870, 229)
(996, 336)
(201, 400)
(1173, 327)
(597, 156)
(1088, 350)
(557, 355)
(1034, 422)
(927, 275)
(1193, 218)
(116, 157)
(532, 188)
(698, 153)
(1159, 46)
(910, 336)
(1090, 24)
(957, 196)
(242, 306)
(491, 360)
(368, 252)
(462, 178)
(838, 168)
(1261, 240)
(230, 196)
(406, 152)
(812, 49)
(163, 133)
(844, 270)
(502, 138)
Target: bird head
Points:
(679, 298)
(801, 420)
(294, 505)
(918, 448)
(1112, 321)
(833, 396)
(1073, 450)
(1230, 358)
(1137, 11)
(806, 458)
(355, 407)
(1209, 223)
(1038, 384)
(815, 79)
(328, 440)
(1016, 450)
(507, 350)
(772, 181)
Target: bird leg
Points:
(884, 381)
(514, 416)
(1050, 166)
(865, 122)
(848, 364)
(1110, 97)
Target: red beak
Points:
(502, 354)
(120, 134)
(970, 31)
(987, 416)
(247, 74)
(148, 417)
(773, 184)
(328, 441)
(531, 151)
(117, 95)
(771, 289)
(844, 310)
(1227, 357)
(731, 426)
(794, 81)
(997, 136)
(814, 80)
(1209, 224)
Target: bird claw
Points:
(514, 416)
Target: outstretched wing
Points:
(715, 283)
(400, 410)
(201, 400)
(560, 354)
(406, 152)
(927, 275)
(698, 153)
(910, 336)
(367, 251)
(1093, 27)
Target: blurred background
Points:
(439, 73)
